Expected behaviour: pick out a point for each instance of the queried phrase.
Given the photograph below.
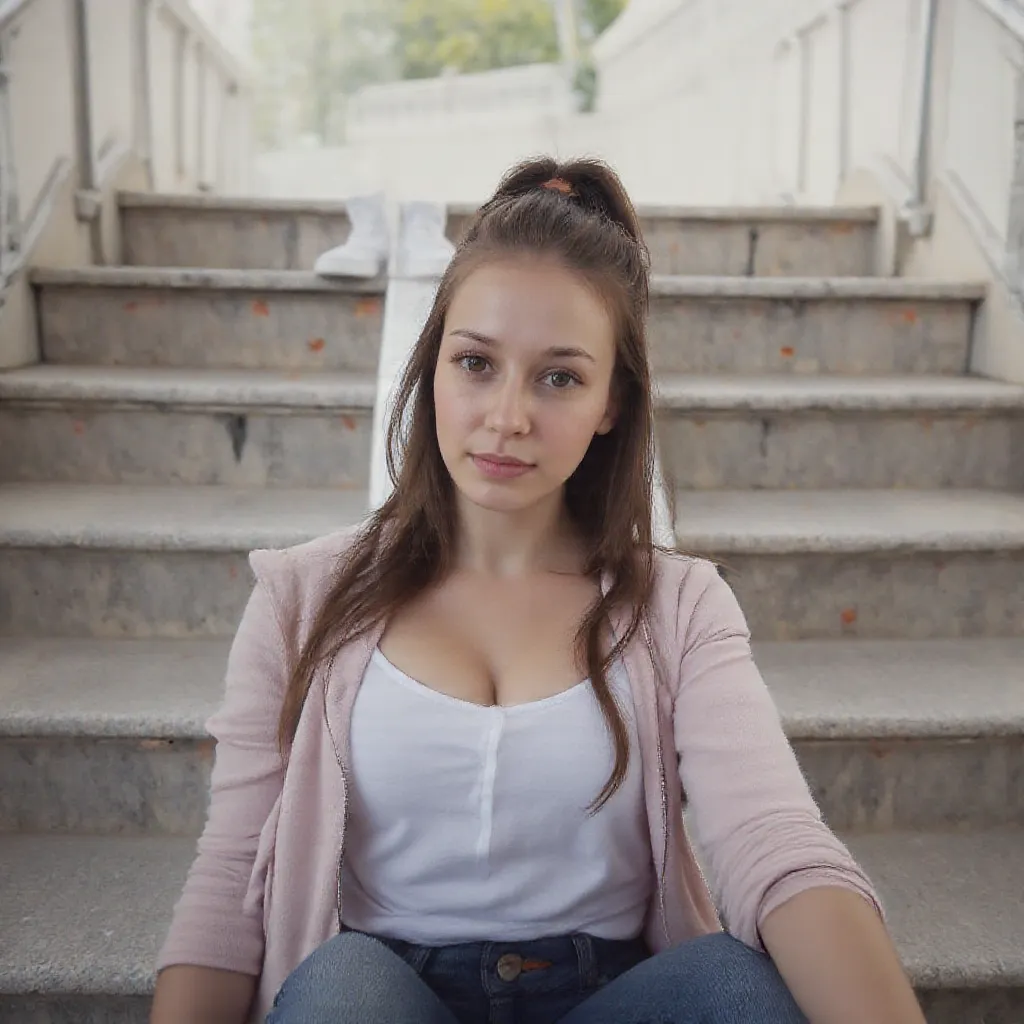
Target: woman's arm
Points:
(837, 959)
(202, 995)
(781, 879)
(213, 953)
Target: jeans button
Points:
(510, 966)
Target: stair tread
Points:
(130, 517)
(848, 521)
(835, 689)
(682, 285)
(820, 288)
(210, 279)
(710, 522)
(783, 392)
(335, 390)
(99, 907)
(185, 387)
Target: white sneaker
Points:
(365, 251)
(423, 249)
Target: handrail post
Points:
(143, 12)
(87, 201)
(916, 213)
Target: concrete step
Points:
(871, 564)
(255, 233)
(100, 907)
(296, 428)
(859, 326)
(166, 561)
(748, 241)
(786, 432)
(123, 316)
(233, 233)
(157, 425)
(108, 737)
(146, 561)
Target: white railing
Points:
(87, 88)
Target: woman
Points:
(419, 811)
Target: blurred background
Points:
(911, 106)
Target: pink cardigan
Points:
(263, 891)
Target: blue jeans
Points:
(356, 978)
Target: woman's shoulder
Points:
(297, 577)
(691, 598)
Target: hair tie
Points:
(559, 185)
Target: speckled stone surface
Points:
(153, 446)
(100, 906)
(288, 237)
(812, 330)
(108, 736)
(80, 592)
(136, 689)
(258, 428)
(763, 242)
(151, 519)
(185, 388)
(105, 786)
(193, 327)
(166, 426)
(841, 522)
(842, 449)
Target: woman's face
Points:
(523, 381)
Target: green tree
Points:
(597, 15)
(311, 54)
(472, 35)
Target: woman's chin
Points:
(505, 496)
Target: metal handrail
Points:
(9, 10)
(1008, 13)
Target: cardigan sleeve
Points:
(752, 814)
(211, 925)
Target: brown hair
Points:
(407, 544)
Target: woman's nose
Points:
(509, 410)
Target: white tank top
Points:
(469, 823)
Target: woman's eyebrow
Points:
(556, 351)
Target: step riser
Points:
(889, 595)
(87, 445)
(973, 1006)
(68, 592)
(197, 328)
(993, 1006)
(893, 784)
(160, 787)
(835, 450)
(105, 787)
(705, 247)
(80, 1008)
(71, 592)
(285, 330)
(847, 336)
(91, 444)
(228, 240)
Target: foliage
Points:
(310, 55)
(472, 35)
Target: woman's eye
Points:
(473, 363)
(561, 379)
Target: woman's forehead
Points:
(537, 305)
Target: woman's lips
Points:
(499, 467)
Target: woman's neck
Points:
(537, 539)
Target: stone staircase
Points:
(864, 494)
